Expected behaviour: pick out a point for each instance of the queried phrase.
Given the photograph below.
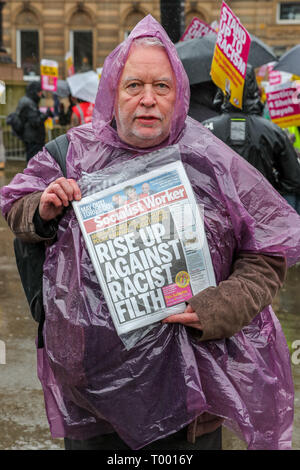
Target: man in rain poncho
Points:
(225, 357)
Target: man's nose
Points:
(148, 98)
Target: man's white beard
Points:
(127, 132)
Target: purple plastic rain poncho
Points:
(92, 384)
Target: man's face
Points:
(131, 194)
(145, 188)
(146, 97)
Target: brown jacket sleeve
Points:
(226, 309)
(21, 220)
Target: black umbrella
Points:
(290, 61)
(260, 53)
(196, 56)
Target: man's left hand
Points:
(188, 318)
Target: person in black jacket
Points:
(202, 104)
(262, 143)
(33, 134)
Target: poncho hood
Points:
(112, 69)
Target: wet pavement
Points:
(23, 422)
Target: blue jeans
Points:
(294, 201)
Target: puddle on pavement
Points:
(23, 423)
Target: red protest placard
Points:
(283, 104)
(196, 29)
(229, 63)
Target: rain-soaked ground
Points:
(23, 423)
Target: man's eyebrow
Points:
(129, 79)
(162, 79)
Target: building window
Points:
(28, 52)
(129, 23)
(81, 45)
(193, 14)
(288, 12)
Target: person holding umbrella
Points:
(63, 92)
(196, 56)
(259, 141)
(83, 86)
(64, 117)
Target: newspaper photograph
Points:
(147, 243)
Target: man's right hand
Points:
(57, 196)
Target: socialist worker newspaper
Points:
(147, 243)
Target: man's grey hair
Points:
(148, 41)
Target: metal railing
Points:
(14, 147)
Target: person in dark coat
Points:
(64, 118)
(202, 105)
(33, 134)
(261, 142)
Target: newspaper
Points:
(147, 243)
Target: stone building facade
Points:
(90, 29)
